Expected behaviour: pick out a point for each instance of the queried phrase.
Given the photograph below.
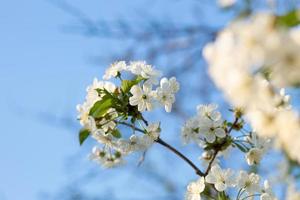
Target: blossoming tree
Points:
(251, 61)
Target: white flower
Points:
(212, 129)
(174, 85)
(249, 182)
(258, 142)
(267, 193)
(146, 71)
(206, 126)
(92, 94)
(267, 60)
(164, 93)
(222, 179)
(190, 130)
(226, 3)
(209, 111)
(285, 68)
(153, 130)
(282, 100)
(83, 115)
(115, 69)
(254, 156)
(264, 121)
(106, 157)
(143, 98)
(292, 193)
(194, 189)
(103, 138)
(135, 143)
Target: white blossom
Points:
(226, 3)
(254, 156)
(135, 143)
(222, 179)
(175, 86)
(143, 98)
(206, 126)
(115, 69)
(212, 129)
(190, 131)
(106, 158)
(146, 71)
(153, 130)
(194, 189)
(209, 111)
(259, 147)
(267, 193)
(165, 93)
(292, 193)
(249, 182)
(267, 60)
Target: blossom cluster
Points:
(247, 185)
(250, 61)
(210, 131)
(217, 137)
(206, 126)
(108, 106)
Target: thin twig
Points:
(217, 150)
(131, 126)
(142, 159)
(163, 143)
(211, 162)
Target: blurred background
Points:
(52, 49)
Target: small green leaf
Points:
(229, 124)
(288, 20)
(241, 147)
(116, 133)
(139, 79)
(126, 85)
(101, 107)
(99, 91)
(83, 135)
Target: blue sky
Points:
(42, 71)
(43, 75)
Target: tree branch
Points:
(168, 146)
(163, 143)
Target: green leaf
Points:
(230, 124)
(222, 196)
(99, 91)
(139, 78)
(127, 84)
(116, 133)
(83, 135)
(101, 107)
(288, 20)
(241, 147)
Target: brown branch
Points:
(163, 143)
